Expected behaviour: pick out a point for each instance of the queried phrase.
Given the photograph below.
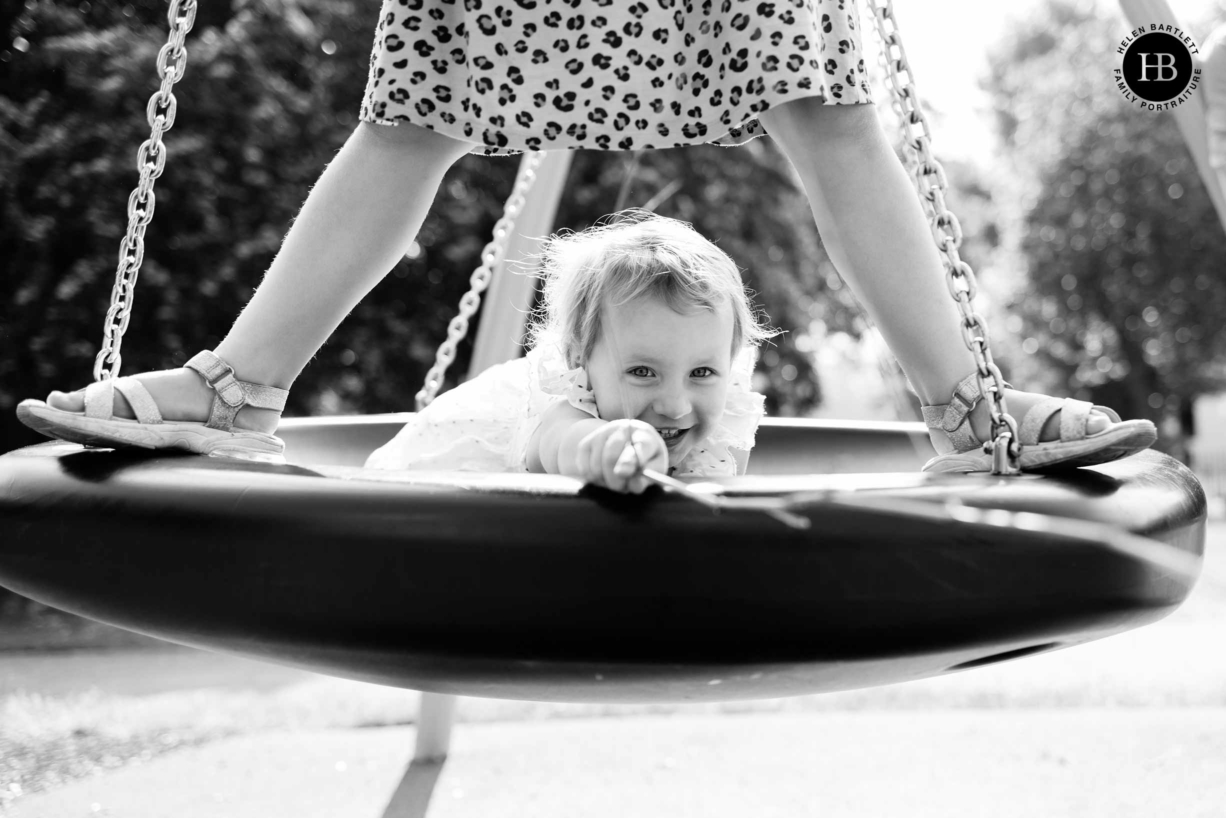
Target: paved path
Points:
(1003, 764)
(1134, 725)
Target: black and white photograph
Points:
(605, 408)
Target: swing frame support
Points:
(499, 338)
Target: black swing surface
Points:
(533, 587)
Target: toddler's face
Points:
(663, 368)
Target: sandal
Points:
(98, 426)
(963, 450)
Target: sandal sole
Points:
(1123, 439)
(119, 432)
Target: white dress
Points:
(485, 424)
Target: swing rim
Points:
(431, 582)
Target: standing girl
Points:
(450, 77)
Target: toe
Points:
(67, 401)
(1097, 422)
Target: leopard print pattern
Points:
(515, 75)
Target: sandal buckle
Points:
(220, 377)
(227, 387)
(224, 370)
(955, 415)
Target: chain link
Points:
(479, 281)
(150, 162)
(930, 183)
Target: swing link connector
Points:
(1005, 454)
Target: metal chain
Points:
(491, 256)
(931, 185)
(150, 161)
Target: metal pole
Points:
(504, 317)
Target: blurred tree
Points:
(1126, 284)
(266, 82)
(270, 92)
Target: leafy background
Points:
(1098, 251)
(269, 95)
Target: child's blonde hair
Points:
(629, 254)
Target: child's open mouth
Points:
(672, 436)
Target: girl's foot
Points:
(180, 395)
(194, 409)
(1054, 433)
(1019, 403)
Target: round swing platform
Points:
(534, 587)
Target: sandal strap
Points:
(1073, 417)
(950, 417)
(100, 400)
(1032, 424)
(138, 397)
(232, 394)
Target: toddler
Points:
(645, 330)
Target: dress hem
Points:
(742, 136)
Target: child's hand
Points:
(600, 453)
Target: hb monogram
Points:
(1165, 62)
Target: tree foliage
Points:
(271, 91)
(1124, 252)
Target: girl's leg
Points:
(358, 220)
(878, 237)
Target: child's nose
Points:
(672, 404)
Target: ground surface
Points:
(1004, 764)
(1134, 725)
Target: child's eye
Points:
(639, 372)
(704, 372)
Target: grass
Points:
(46, 742)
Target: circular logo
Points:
(1157, 67)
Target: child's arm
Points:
(570, 441)
(552, 447)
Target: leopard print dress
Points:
(515, 75)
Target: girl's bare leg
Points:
(878, 237)
(358, 220)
